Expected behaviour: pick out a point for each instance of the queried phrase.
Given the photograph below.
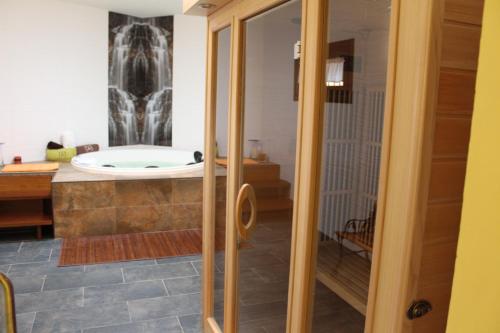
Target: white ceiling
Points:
(139, 8)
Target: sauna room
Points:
(353, 122)
(228, 166)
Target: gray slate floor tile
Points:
(122, 264)
(72, 320)
(41, 245)
(185, 285)
(68, 280)
(49, 300)
(9, 247)
(191, 323)
(198, 265)
(24, 322)
(27, 284)
(171, 260)
(161, 307)
(116, 293)
(164, 271)
(4, 269)
(25, 256)
(163, 325)
(41, 269)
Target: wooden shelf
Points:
(346, 274)
(25, 200)
(26, 213)
(24, 220)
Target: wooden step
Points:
(280, 216)
(272, 188)
(272, 205)
(261, 172)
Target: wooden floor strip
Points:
(138, 246)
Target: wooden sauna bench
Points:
(346, 274)
(25, 200)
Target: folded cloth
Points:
(246, 161)
(86, 149)
(60, 155)
(54, 145)
(31, 167)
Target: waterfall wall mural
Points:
(140, 80)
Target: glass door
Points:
(267, 160)
(253, 164)
(353, 121)
(291, 204)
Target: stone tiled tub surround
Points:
(89, 208)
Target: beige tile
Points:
(143, 218)
(187, 190)
(84, 222)
(143, 192)
(83, 195)
(186, 216)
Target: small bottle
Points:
(18, 160)
(255, 148)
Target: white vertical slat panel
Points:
(352, 146)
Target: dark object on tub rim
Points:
(198, 158)
(108, 166)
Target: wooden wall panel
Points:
(460, 46)
(452, 136)
(447, 181)
(456, 92)
(438, 262)
(466, 11)
(442, 222)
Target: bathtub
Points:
(140, 161)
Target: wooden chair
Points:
(359, 232)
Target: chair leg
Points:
(39, 232)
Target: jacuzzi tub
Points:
(137, 161)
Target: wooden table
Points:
(25, 200)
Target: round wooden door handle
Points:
(246, 193)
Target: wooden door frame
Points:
(410, 102)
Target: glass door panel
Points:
(268, 164)
(352, 139)
(221, 129)
(221, 137)
(215, 181)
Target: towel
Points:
(61, 155)
(86, 149)
(246, 161)
(54, 145)
(28, 167)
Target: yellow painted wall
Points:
(475, 301)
